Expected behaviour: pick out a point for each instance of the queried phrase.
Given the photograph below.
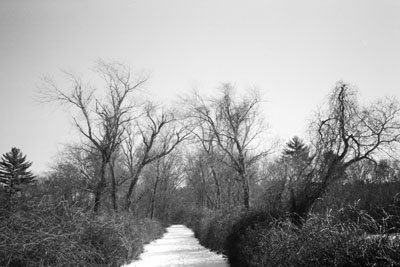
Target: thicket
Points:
(213, 227)
(380, 200)
(345, 237)
(57, 234)
(354, 224)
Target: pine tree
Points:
(14, 171)
(296, 159)
(296, 149)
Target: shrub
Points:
(242, 240)
(213, 227)
(194, 218)
(320, 241)
(59, 235)
(346, 237)
(380, 200)
(216, 229)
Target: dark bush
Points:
(193, 218)
(238, 233)
(217, 228)
(380, 200)
(213, 227)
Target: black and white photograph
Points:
(199, 133)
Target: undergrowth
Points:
(213, 227)
(322, 240)
(49, 234)
(345, 237)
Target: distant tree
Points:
(206, 139)
(164, 176)
(14, 172)
(296, 155)
(65, 182)
(235, 127)
(158, 134)
(296, 149)
(296, 162)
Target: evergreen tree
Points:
(296, 161)
(14, 171)
(296, 149)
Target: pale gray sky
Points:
(293, 51)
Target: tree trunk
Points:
(113, 188)
(135, 178)
(309, 195)
(100, 187)
(8, 204)
(229, 193)
(153, 196)
(218, 193)
(246, 190)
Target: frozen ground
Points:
(178, 247)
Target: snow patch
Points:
(178, 247)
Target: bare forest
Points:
(211, 162)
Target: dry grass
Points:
(51, 234)
(322, 240)
(347, 237)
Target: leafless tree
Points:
(234, 126)
(206, 138)
(158, 133)
(165, 173)
(346, 133)
(75, 171)
(100, 120)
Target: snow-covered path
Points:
(178, 247)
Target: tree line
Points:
(214, 152)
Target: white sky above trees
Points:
(292, 51)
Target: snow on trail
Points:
(178, 247)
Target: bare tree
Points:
(346, 133)
(235, 127)
(198, 174)
(101, 121)
(164, 170)
(206, 138)
(159, 132)
(75, 173)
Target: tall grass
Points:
(345, 237)
(50, 234)
(332, 239)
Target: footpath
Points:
(178, 247)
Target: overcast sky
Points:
(292, 51)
